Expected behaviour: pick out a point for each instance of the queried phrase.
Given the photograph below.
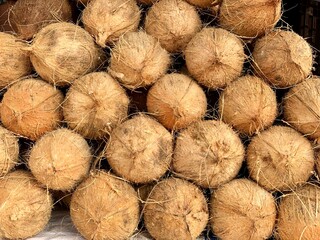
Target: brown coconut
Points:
(4, 15)
(175, 209)
(140, 149)
(25, 208)
(301, 107)
(147, 2)
(14, 62)
(176, 101)
(138, 60)
(209, 153)
(107, 20)
(215, 57)
(94, 105)
(203, 3)
(62, 52)
(31, 107)
(83, 2)
(282, 58)
(249, 105)
(105, 207)
(249, 19)
(60, 159)
(173, 23)
(241, 209)
(280, 159)
(27, 17)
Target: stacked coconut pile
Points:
(179, 117)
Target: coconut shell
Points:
(173, 23)
(176, 101)
(31, 108)
(175, 209)
(95, 104)
(215, 57)
(60, 159)
(241, 209)
(63, 52)
(138, 60)
(249, 105)
(107, 20)
(202, 3)
(14, 62)
(25, 208)
(4, 15)
(105, 207)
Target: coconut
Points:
(105, 207)
(215, 57)
(140, 149)
(249, 105)
(83, 2)
(241, 209)
(175, 209)
(248, 18)
(173, 23)
(60, 159)
(4, 13)
(107, 20)
(282, 58)
(14, 62)
(31, 108)
(147, 2)
(94, 105)
(25, 208)
(62, 52)
(176, 101)
(26, 21)
(138, 60)
(203, 3)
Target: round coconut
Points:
(249, 105)
(241, 209)
(140, 149)
(14, 62)
(298, 217)
(175, 209)
(173, 23)
(31, 108)
(25, 208)
(26, 21)
(60, 159)
(107, 20)
(105, 207)
(62, 52)
(280, 159)
(4, 15)
(176, 101)
(301, 107)
(282, 58)
(94, 105)
(249, 19)
(215, 57)
(138, 60)
(209, 153)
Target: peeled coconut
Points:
(249, 105)
(105, 207)
(27, 17)
(14, 62)
(25, 208)
(241, 209)
(60, 159)
(31, 107)
(107, 20)
(94, 105)
(138, 60)
(63, 52)
(215, 57)
(175, 209)
(249, 19)
(140, 149)
(209, 153)
(173, 23)
(176, 101)
(282, 58)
